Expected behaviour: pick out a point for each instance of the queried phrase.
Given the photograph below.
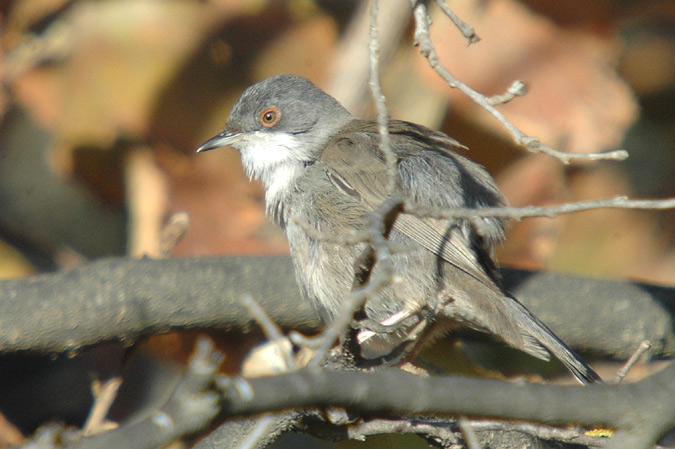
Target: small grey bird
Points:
(322, 170)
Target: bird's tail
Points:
(540, 335)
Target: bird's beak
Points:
(223, 139)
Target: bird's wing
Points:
(355, 166)
(449, 244)
(431, 174)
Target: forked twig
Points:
(532, 144)
(632, 360)
(467, 30)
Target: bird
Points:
(324, 175)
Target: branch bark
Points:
(125, 299)
(641, 412)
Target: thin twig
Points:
(440, 429)
(271, 330)
(532, 144)
(173, 232)
(564, 435)
(632, 360)
(516, 89)
(376, 236)
(466, 29)
(518, 213)
(104, 395)
(354, 301)
(333, 331)
(353, 237)
(190, 407)
(506, 212)
(261, 429)
(470, 436)
(378, 240)
(379, 99)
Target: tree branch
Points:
(388, 392)
(191, 406)
(518, 213)
(125, 299)
(532, 144)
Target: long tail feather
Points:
(538, 330)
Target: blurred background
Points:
(103, 104)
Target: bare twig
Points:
(231, 433)
(532, 144)
(378, 240)
(354, 237)
(147, 189)
(469, 435)
(190, 407)
(516, 89)
(379, 99)
(445, 431)
(466, 29)
(104, 394)
(564, 435)
(271, 330)
(506, 212)
(518, 213)
(641, 349)
(333, 331)
(173, 232)
(259, 431)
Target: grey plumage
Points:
(320, 165)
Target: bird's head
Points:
(279, 125)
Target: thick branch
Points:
(395, 392)
(189, 408)
(124, 299)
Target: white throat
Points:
(277, 161)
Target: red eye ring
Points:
(270, 117)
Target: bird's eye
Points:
(270, 117)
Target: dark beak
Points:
(223, 139)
